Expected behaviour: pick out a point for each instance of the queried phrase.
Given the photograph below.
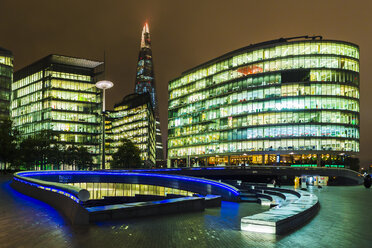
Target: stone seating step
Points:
(248, 199)
(292, 212)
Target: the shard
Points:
(145, 82)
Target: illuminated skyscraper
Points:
(145, 82)
(58, 93)
(6, 75)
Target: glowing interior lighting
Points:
(229, 188)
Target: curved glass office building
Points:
(287, 101)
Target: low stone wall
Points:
(79, 215)
(51, 188)
(212, 201)
(70, 208)
(283, 219)
(140, 209)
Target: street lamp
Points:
(103, 85)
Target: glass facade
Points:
(100, 190)
(58, 93)
(145, 83)
(274, 98)
(6, 77)
(133, 119)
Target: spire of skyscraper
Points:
(145, 37)
(145, 82)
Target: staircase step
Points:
(248, 194)
(248, 199)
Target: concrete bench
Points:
(280, 220)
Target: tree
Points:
(43, 150)
(39, 150)
(127, 156)
(57, 156)
(85, 160)
(8, 142)
(71, 155)
(28, 153)
(79, 157)
(353, 163)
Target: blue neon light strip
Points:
(175, 169)
(190, 179)
(71, 196)
(144, 170)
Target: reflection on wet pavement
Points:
(344, 220)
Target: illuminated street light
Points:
(104, 85)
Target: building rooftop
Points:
(259, 45)
(67, 60)
(135, 99)
(56, 59)
(4, 51)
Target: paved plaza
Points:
(344, 220)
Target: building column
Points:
(318, 160)
(169, 161)
(277, 159)
(188, 161)
(263, 159)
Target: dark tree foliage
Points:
(43, 150)
(71, 155)
(39, 150)
(28, 153)
(8, 142)
(85, 160)
(353, 163)
(57, 156)
(367, 181)
(127, 156)
(78, 157)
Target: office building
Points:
(6, 76)
(58, 93)
(282, 102)
(133, 118)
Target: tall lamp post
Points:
(104, 85)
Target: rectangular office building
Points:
(134, 119)
(6, 75)
(58, 93)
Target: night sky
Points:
(184, 34)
